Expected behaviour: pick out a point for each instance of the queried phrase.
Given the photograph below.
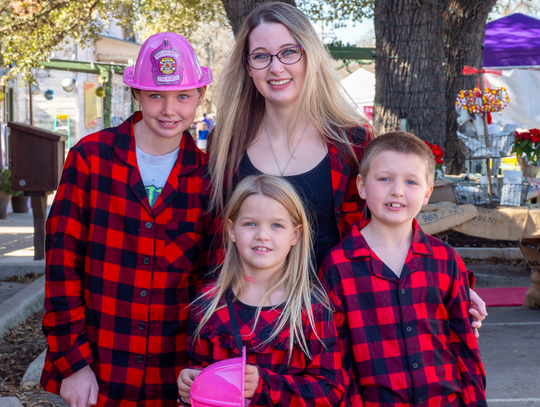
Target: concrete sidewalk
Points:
(19, 300)
(17, 245)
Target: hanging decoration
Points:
(69, 84)
(100, 92)
(49, 94)
(493, 100)
(34, 89)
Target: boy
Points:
(401, 296)
(125, 242)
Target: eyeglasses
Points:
(287, 56)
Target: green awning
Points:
(351, 52)
(97, 68)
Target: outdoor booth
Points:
(512, 45)
(498, 119)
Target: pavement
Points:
(19, 300)
(509, 339)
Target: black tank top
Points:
(315, 189)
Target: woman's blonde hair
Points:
(241, 110)
(302, 287)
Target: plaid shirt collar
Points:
(188, 160)
(189, 157)
(355, 246)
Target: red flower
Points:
(529, 149)
(437, 152)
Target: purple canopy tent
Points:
(512, 44)
(512, 41)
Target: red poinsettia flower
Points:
(526, 145)
(438, 153)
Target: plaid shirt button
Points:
(409, 328)
(415, 365)
(420, 400)
(144, 293)
(402, 291)
(148, 225)
(142, 325)
(139, 359)
(146, 260)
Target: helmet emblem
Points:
(167, 65)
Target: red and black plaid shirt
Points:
(408, 340)
(120, 273)
(314, 381)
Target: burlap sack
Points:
(442, 192)
(535, 278)
(440, 217)
(500, 224)
(532, 227)
(532, 298)
(530, 248)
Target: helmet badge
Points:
(167, 65)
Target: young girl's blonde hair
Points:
(301, 285)
(241, 110)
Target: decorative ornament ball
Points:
(100, 92)
(49, 94)
(69, 84)
(34, 90)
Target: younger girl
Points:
(283, 315)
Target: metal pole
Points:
(30, 103)
(488, 144)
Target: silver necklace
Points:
(274, 154)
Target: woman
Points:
(282, 111)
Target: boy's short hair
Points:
(400, 142)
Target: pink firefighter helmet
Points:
(221, 384)
(165, 62)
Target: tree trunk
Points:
(409, 67)
(465, 23)
(237, 10)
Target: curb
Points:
(17, 266)
(16, 309)
(482, 253)
(10, 402)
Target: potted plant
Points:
(527, 149)
(5, 191)
(19, 202)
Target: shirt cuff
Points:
(74, 360)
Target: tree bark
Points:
(465, 25)
(409, 67)
(237, 10)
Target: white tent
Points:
(360, 86)
(512, 44)
(522, 85)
